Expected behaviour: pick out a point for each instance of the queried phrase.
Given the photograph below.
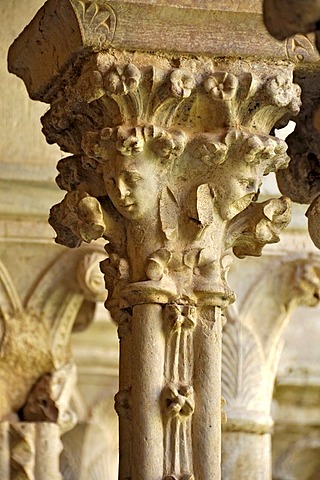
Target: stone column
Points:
(168, 154)
(252, 345)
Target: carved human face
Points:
(236, 191)
(132, 183)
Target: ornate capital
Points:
(166, 162)
(252, 345)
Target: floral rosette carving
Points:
(221, 85)
(129, 143)
(179, 316)
(182, 83)
(269, 151)
(168, 144)
(210, 149)
(179, 400)
(284, 93)
(122, 80)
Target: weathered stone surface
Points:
(301, 180)
(168, 154)
(35, 338)
(180, 27)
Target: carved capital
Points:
(166, 164)
(252, 345)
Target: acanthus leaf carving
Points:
(146, 163)
(258, 225)
(97, 19)
(242, 368)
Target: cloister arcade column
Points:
(166, 110)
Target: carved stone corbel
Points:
(300, 181)
(168, 155)
(285, 18)
(252, 344)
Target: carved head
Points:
(135, 164)
(133, 183)
(235, 195)
(238, 161)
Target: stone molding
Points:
(182, 28)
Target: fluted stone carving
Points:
(30, 451)
(168, 155)
(252, 344)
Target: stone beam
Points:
(70, 29)
(168, 151)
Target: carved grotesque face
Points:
(236, 191)
(132, 183)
